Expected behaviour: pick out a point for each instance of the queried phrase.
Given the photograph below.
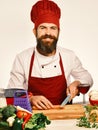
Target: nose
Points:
(47, 31)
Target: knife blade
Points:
(66, 100)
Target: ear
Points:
(34, 31)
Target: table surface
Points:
(69, 124)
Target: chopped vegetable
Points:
(37, 121)
(11, 120)
(89, 120)
(8, 111)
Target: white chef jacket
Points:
(44, 66)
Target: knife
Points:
(66, 100)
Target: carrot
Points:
(26, 120)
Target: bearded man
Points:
(46, 69)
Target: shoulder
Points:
(68, 56)
(65, 52)
(25, 53)
(24, 56)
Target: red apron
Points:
(53, 88)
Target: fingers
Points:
(41, 102)
(68, 90)
(72, 90)
(43, 105)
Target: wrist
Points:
(30, 95)
(30, 99)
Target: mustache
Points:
(48, 36)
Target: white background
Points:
(79, 32)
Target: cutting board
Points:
(73, 111)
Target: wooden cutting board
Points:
(73, 111)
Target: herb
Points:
(89, 108)
(88, 121)
(37, 121)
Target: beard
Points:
(46, 47)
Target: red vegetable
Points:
(22, 114)
(26, 120)
(25, 115)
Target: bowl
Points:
(10, 100)
(93, 102)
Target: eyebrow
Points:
(53, 26)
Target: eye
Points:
(54, 27)
(42, 27)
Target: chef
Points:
(46, 69)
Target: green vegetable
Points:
(1, 116)
(85, 120)
(1, 110)
(37, 121)
(8, 111)
(11, 120)
(34, 122)
(4, 126)
(17, 125)
(89, 108)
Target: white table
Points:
(66, 125)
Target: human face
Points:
(47, 37)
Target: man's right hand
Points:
(41, 102)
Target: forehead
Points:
(48, 25)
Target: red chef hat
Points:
(45, 11)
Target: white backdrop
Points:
(79, 32)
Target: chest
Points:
(48, 67)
